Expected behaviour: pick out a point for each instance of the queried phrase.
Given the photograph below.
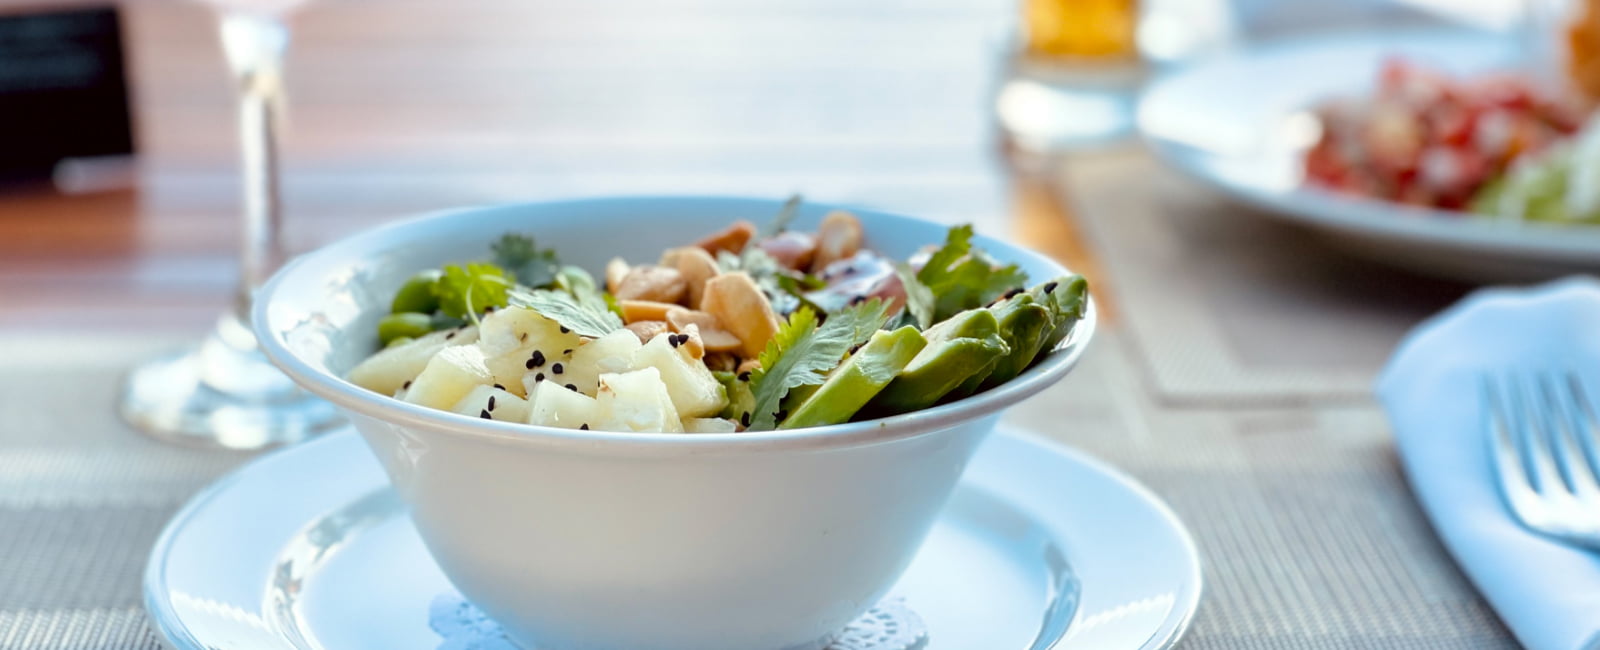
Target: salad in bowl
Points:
(742, 330)
(627, 423)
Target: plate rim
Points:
(159, 610)
(174, 634)
(1355, 215)
(1187, 605)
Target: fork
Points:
(1541, 435)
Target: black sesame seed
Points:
(406, 385)
(566, 351)
(1049, 287)
(744, 418)
(538, 377)
(744, 376)
(491, 403)
(451, 335)
(564, 330)
(556, 368)
(683, 338)
(672, 340)
(485, 415)
(499, 387)
(529, 364)
(489, 309)
(1012, 293)
(537, 360)
(584, 426)
(572, 387)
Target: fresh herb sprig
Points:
(780, 222)
(466, 291)
(522, 258)
(576, 306)
(803, 352)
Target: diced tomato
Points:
(1427, 139)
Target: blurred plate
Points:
(1240, 123)
(1040, 547)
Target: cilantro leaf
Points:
(803, 352)
(579, 315)
(581, 285)
(465, 292)
(522, 258)
(962, 276)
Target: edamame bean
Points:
(409, 324)
(416, 295)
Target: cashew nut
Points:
(741, 309)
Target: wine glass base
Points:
(169, 399)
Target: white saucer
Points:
(1040, 547)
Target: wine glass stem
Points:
(255, 45)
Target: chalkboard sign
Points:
(62, 90)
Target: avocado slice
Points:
(1066, 298)
(963, 346)
(861, 376)
(1024, 325)
(740, 400)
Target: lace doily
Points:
(888, 626)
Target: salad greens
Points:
(961, 276)
(803, 352)
(466, 291)
(920, 302)
(527, 264)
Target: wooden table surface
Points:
(403, 106)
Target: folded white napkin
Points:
(1547, 592)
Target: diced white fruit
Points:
(636, 401)
(513, 328)
(511, 368)
(449, 376)
(551, 405)
(709, 425)
(695, 391)
(499, 404)
(509, 340)
(610, 353)
(389, 370)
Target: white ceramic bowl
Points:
(580, 540)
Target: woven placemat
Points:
(82, 496)
(1309, 535)
(1228, 306)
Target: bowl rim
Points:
(343, 393)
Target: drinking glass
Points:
(1072, 81)
(223, 392)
